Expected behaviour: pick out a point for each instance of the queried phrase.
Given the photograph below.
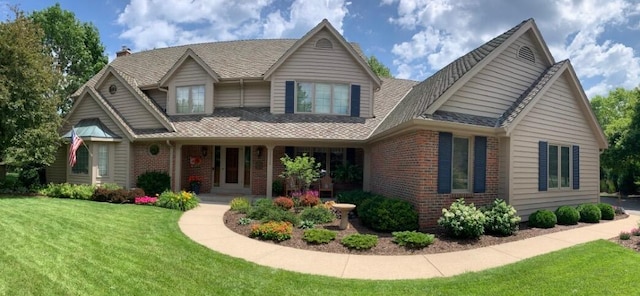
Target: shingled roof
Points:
(423, 95)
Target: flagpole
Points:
(83, 142)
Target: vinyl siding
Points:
(492, 90)
(558, 119)
(129, 106)
(227, 95)
(321, 65)
(190, 73)
(89, 108)
(158, 96)
(57, 171)
(256, 94)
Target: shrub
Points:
(355, 197)
(66, 190)
(501, 218)
(625, 235)
(277, 187)
(359, 241)
(567, 215)
(154, 183)
(619, 210)
(272, 230)
(240, 204)
(412, 239)
(112, 186)
(317, 214)
(261, 208)
(244, 221)
(635, 232)
(263, 202)
(310, 199)
(388, 214)
(307, 224)
(589, 213)
(463, 221)
(145, 200)
(606, 210)
(318, 236)
(543, 219)
(182, 200)
(102, 194)
(283, 202)
(279, 215)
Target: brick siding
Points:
(204, 170)
(143, 161)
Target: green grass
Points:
(72, 247)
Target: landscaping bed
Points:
(385, 245)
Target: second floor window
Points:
(190, 99)
(322, 98)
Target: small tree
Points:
(303, 170)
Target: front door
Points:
(231, 167)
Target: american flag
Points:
(75, 144)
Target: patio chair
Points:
(290, 185)
(326, 185)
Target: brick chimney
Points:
(125, 51)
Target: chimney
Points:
(125, 51)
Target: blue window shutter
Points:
(576, 167)
(288, 150)
(542, 166)
(445, 150)
(479, 164)
(355, 100)
(289, 93)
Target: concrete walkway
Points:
(205, 225)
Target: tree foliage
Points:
(28, 95)
(619, 115)
(75, 47)
(303, 170)
(378, 68)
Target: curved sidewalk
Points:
(205, 225)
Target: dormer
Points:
(189, 85)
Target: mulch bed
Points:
(385, 245)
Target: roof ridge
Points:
(205, 43)
(527, 96)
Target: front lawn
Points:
(64, 247)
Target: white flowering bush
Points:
(502, 218)
(462, 221)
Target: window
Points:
(460, 164)
(322, 98)
(330, 159)
(559, 166)
(82, 161)
(190, 99)
(103, 160)
(324, 43)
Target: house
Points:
(503, 121)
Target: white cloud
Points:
(446, 29)
(160, 23)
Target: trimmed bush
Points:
(606, 210)
(567, 215)
(310, 199)
(154, 183)
(283, 202)
(412, 239)
(359, 241)
(317, 214)
(462, 221)
(240, 205)
(543, 219)
(388, 214)
(273, 230)
(501, 218)
(589, 213)
(66, 190)
(318, 236)
(182, 200)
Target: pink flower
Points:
(143, 200)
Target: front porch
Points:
(255, 169)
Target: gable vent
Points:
(324, 43)
(526, 53)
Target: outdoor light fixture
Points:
(204, 151)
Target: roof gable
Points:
(132, 86)
(325, 25)
(188, 53)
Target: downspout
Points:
(241, 92)
(170, 159)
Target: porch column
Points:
(269, 169)
(366, 170)
(178, 167)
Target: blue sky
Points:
(414, 38)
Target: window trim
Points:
(559, 187)
(190, 99)
(108, 159)
(470, 163)
(313, 97)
